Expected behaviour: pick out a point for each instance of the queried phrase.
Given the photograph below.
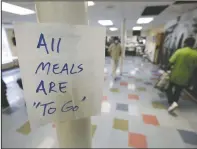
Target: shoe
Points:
(172, 107)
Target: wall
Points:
(150, 47)
(6, 53)
(129, 36)
(13, 49)
(9, 52)
(151, 41)
(176, 31)
(9, 28)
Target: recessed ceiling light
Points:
(105, 22)
(137, 28)
(16, 9)
(90, 3)
(144, 20)
(110, 7)
(113, 29)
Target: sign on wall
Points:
(61, 69)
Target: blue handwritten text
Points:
(42, 42)
(49, 108)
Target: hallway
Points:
(134, 114)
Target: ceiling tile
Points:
(154, 10)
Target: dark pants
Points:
(174, 92)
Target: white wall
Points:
(9, 32)
(9, 28)
(150, 47)
(6, 52)
(151, 41)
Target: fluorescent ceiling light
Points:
(137, 28)
(90, 3)
(105, 22)
(113, 29)
(16, 9)
(144, 20)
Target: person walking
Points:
(115, 51)
(183, 63)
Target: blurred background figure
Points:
(115, 51)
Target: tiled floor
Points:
(134, 114)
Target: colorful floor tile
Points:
(122, 107)
(24, 129)
(53, 126)
(116, 90)
(141, 89)
(150, 119)
(154, 71)
(120, 124)
(158, 105)
(138, 80)
(137, 140)
(93, 129)
(188, 137)
(104, 98)
(123, 83)
(131, 77)
(129, 118)
(133, 97)
(118, 78)
(148, 83)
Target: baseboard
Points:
(190, 95)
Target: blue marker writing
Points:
(42, 42)
(45, 106)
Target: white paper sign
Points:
(61, 69)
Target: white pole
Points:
(76, 133)
(123, 31)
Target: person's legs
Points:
(116, 63)
(177, 93)
(114, 67)
(175, 97)
(170, 93)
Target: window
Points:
(6, 53)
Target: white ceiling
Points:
(115, 11)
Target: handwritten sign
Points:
(61, 69)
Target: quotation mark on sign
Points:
(36, 104)
(68, 106)
(84, 98)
